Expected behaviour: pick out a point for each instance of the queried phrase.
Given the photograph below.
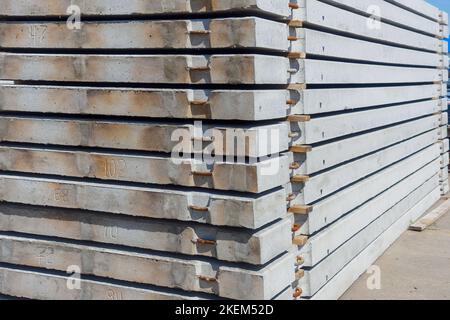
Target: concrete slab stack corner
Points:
(203, 150)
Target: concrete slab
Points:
(188, 238)
(249, 140)
(320, 274)
(251, 105)
(328, 182)
(204, 69)
(24, 283)
(330, 72)
(331, 208)
(394, 13)
(141, 7)
(324, 15)
(150, 34)
(230, 33)
(337, 286)
(212, 277)
(153, 69)
(316, 101)
(326, 241)
(335, 126)
(319, 43)
(421, 7)
(249, 211)
(236, 245)
(254, 177)
(343, 150)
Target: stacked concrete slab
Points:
(448, 97)
(322, 136)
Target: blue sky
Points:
(442, 4)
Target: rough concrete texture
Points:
(154, 34)
(318, 158)
(155, 136)
(336, 206)
(250, 105)
(236, 69)
(335, 235)
(237, 245)
(325, 44)
(417, 266)
(140, 7)
(327, 128)
(322, 14)
(250, 212)
(119, 166)
(395, 13)
(21, 283)
(329, 267)
(322, 129)
(169, 69)
(145, 268)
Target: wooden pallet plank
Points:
(431, 217)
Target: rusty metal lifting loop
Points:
(198, 208)
(291, 197)
(207, 68)
(203, 139)
(205, 242)
(295, 166)
(200, 32)
(202, 173)
(291, 102)
(199, 102)
(208, 279)
(298, 293)
(300, 260)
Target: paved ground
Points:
(417, 266)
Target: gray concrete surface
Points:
(417, 266)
